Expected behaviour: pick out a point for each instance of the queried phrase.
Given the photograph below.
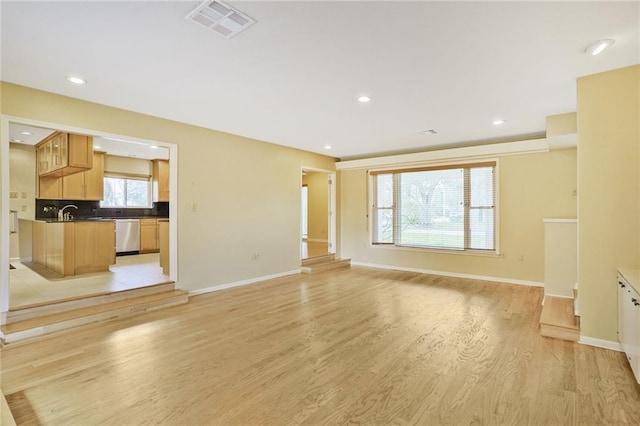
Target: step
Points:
(6, 418)
(48, 324)
(326, 265)
(558, 320)
(318, 259)
(41, 309)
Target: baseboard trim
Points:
(599, 343)
(556, 295)
(316, 240)
(452, 274)
(241, 283)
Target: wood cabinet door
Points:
(160, 180)
(43, 157)
(49, 188)
(148, 238)
(95, 246)
(80, 151)
(59, 151)
(94, 179)
(73, 186)
(39, 243)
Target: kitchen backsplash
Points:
(46, 209)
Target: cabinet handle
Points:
(621, 285)
(635, 301)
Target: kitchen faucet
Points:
(62, 216)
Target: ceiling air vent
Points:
(221, 18)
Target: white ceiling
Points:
(293, 77)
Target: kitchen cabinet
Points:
(49, 188)
(95, 246)
(52, 246)
(64, 153)
(629, 318)
(70, 248)
(39, 250)
(160, 180)
(163, 244)
(148, 235)
(88, 185)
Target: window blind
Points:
(450, 207)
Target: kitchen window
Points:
(442, 207)
(127, 192)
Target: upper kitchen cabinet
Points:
(64, 153)
(87, 185)
(160, 180)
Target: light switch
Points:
(24, 194)
(13, 194)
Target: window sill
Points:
(478, 253)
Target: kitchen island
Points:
(74, 247)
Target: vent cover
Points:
(221, 18)
(427, 132)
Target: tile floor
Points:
(32, 284)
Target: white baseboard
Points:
(599, 343)
(558, 295)
(241, 283)
(452, 274)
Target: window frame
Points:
(466, 165)
(126, 178)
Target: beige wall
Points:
(531, 187)
(247, 191)
(22, 180)
(561, 257)
(608, 222)
(318, 207)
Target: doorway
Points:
(28, 283)
(317, 197)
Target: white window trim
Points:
(496, 252)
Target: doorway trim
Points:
(331, 208)
(5, 121)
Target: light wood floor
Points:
(350, 346)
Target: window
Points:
(444, 207)
(126, 192)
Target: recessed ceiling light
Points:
(498, 122)
(76, 80)
(598, 47)
(327, 147)
(16, 140)
(97, 147)
(153, 146)
(26, 133)
(364, 99)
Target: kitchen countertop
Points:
(96, 219)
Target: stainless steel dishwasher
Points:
(127, 236)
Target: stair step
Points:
(558, 320)
(326, 266)
(318, 259)
(42, 309)
(47, 324)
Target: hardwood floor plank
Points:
(356, 345)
